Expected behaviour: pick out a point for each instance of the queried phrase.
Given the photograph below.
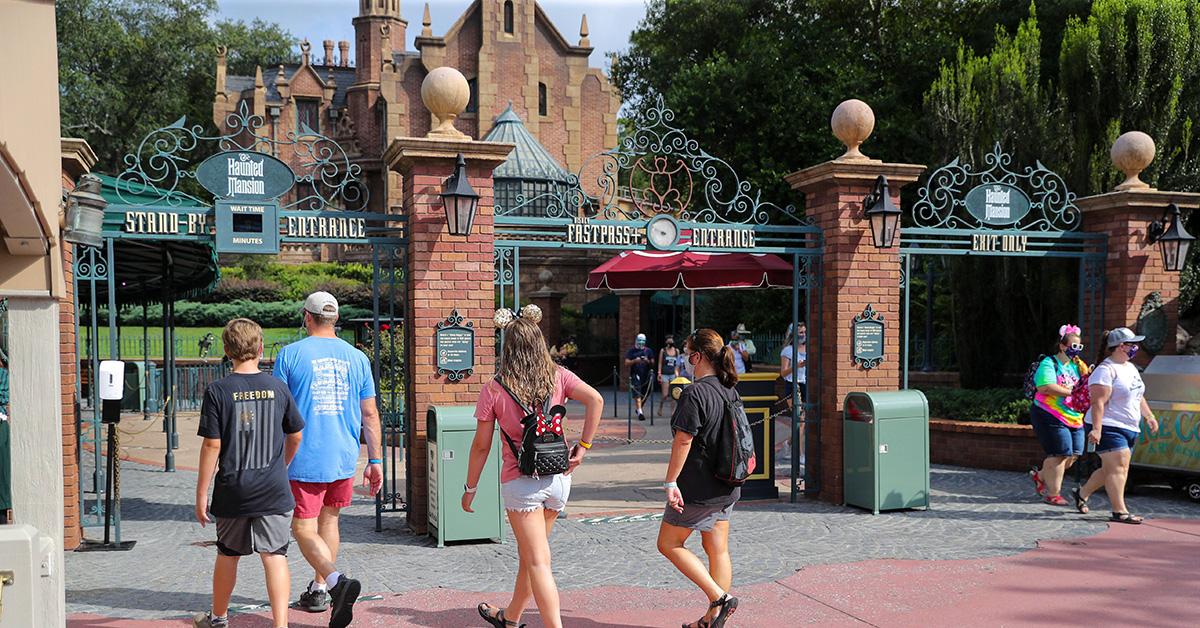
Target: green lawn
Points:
(187, 341)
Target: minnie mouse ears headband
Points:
(504, 316)
(1067, 330)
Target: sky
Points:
(609, 21)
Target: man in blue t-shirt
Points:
(640, 360)
(334, 389)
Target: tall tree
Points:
(127, 67)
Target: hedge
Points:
(267, 314)
(990, 405)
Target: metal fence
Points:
(187, 345)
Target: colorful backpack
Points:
(1030, 386)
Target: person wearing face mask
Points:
(1114, 421)
(1059, 427)
(668, 359)
(640, 360)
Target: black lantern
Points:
(883, 214)
(460, 200)
(85, 213)
(1173, 240)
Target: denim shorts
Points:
(1114, 438)
(1056, 438)
(526, 494)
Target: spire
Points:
(280, 78)
(385, 39)
(305, 49)
(584, 41)
(258, 79)
(220, 83)
(426, 23)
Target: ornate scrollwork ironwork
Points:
(658, 170)
(155, 171)
(502, 258)
(90, 264)
(941, 201)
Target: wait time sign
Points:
(246, 185)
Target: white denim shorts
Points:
(526, 494)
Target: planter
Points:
(1003, 446)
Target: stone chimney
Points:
(344, 53)
(221, 93)
(328, 43)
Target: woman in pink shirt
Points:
(532, 503)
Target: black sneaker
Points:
(344, 595)
(641, 417)
(313, 601)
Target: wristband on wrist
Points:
(374, 461)
(585, 444)
(469, 490)
(670, 485)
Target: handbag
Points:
(543, 449)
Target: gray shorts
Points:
(526, 494)
(242, 536)
(697, 517)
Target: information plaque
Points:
(868, 339)
(455, 347)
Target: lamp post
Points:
(1173, 239)
(460, 200)
(84, 220)
(883, 214)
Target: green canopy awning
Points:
(606, 306)
(149, 270)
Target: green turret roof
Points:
(529, 160)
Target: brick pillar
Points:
(69, 364)
(445, 272)
(550, 302)
(1134, 268)
(633, 308)
(854, 275)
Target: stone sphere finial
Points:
(1131, 153)
(445, 93)
(852, 123)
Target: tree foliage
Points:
(127, 67)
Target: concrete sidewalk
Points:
(1127, 575)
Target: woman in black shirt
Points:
(696, 499)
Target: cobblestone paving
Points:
(976, 514)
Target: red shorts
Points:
(311, 496)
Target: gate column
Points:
(444, 272)
(854, 274)
(1134, 269)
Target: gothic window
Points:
(542, 107)
(473, 99)
(308, 113)
(508, 16)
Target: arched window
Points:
(542, 106)
(473, 99)
(508, 16)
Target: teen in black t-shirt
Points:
(251, 430)
(696, 499)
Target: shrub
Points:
(267, 314)
(991, 405)
(234, 289)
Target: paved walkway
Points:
(806, 558)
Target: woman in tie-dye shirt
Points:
(1058, 427)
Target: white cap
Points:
(1122, 335)
(321, 303)
(641, 338)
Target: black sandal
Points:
(728, 605)
(1124, 517)
(1080, 503)
(498, 619)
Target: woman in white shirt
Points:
(1114, 420)
(799, 392)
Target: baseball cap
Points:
(1122, 335)
(321, 303)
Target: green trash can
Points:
(451, 430)
(885, 446)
